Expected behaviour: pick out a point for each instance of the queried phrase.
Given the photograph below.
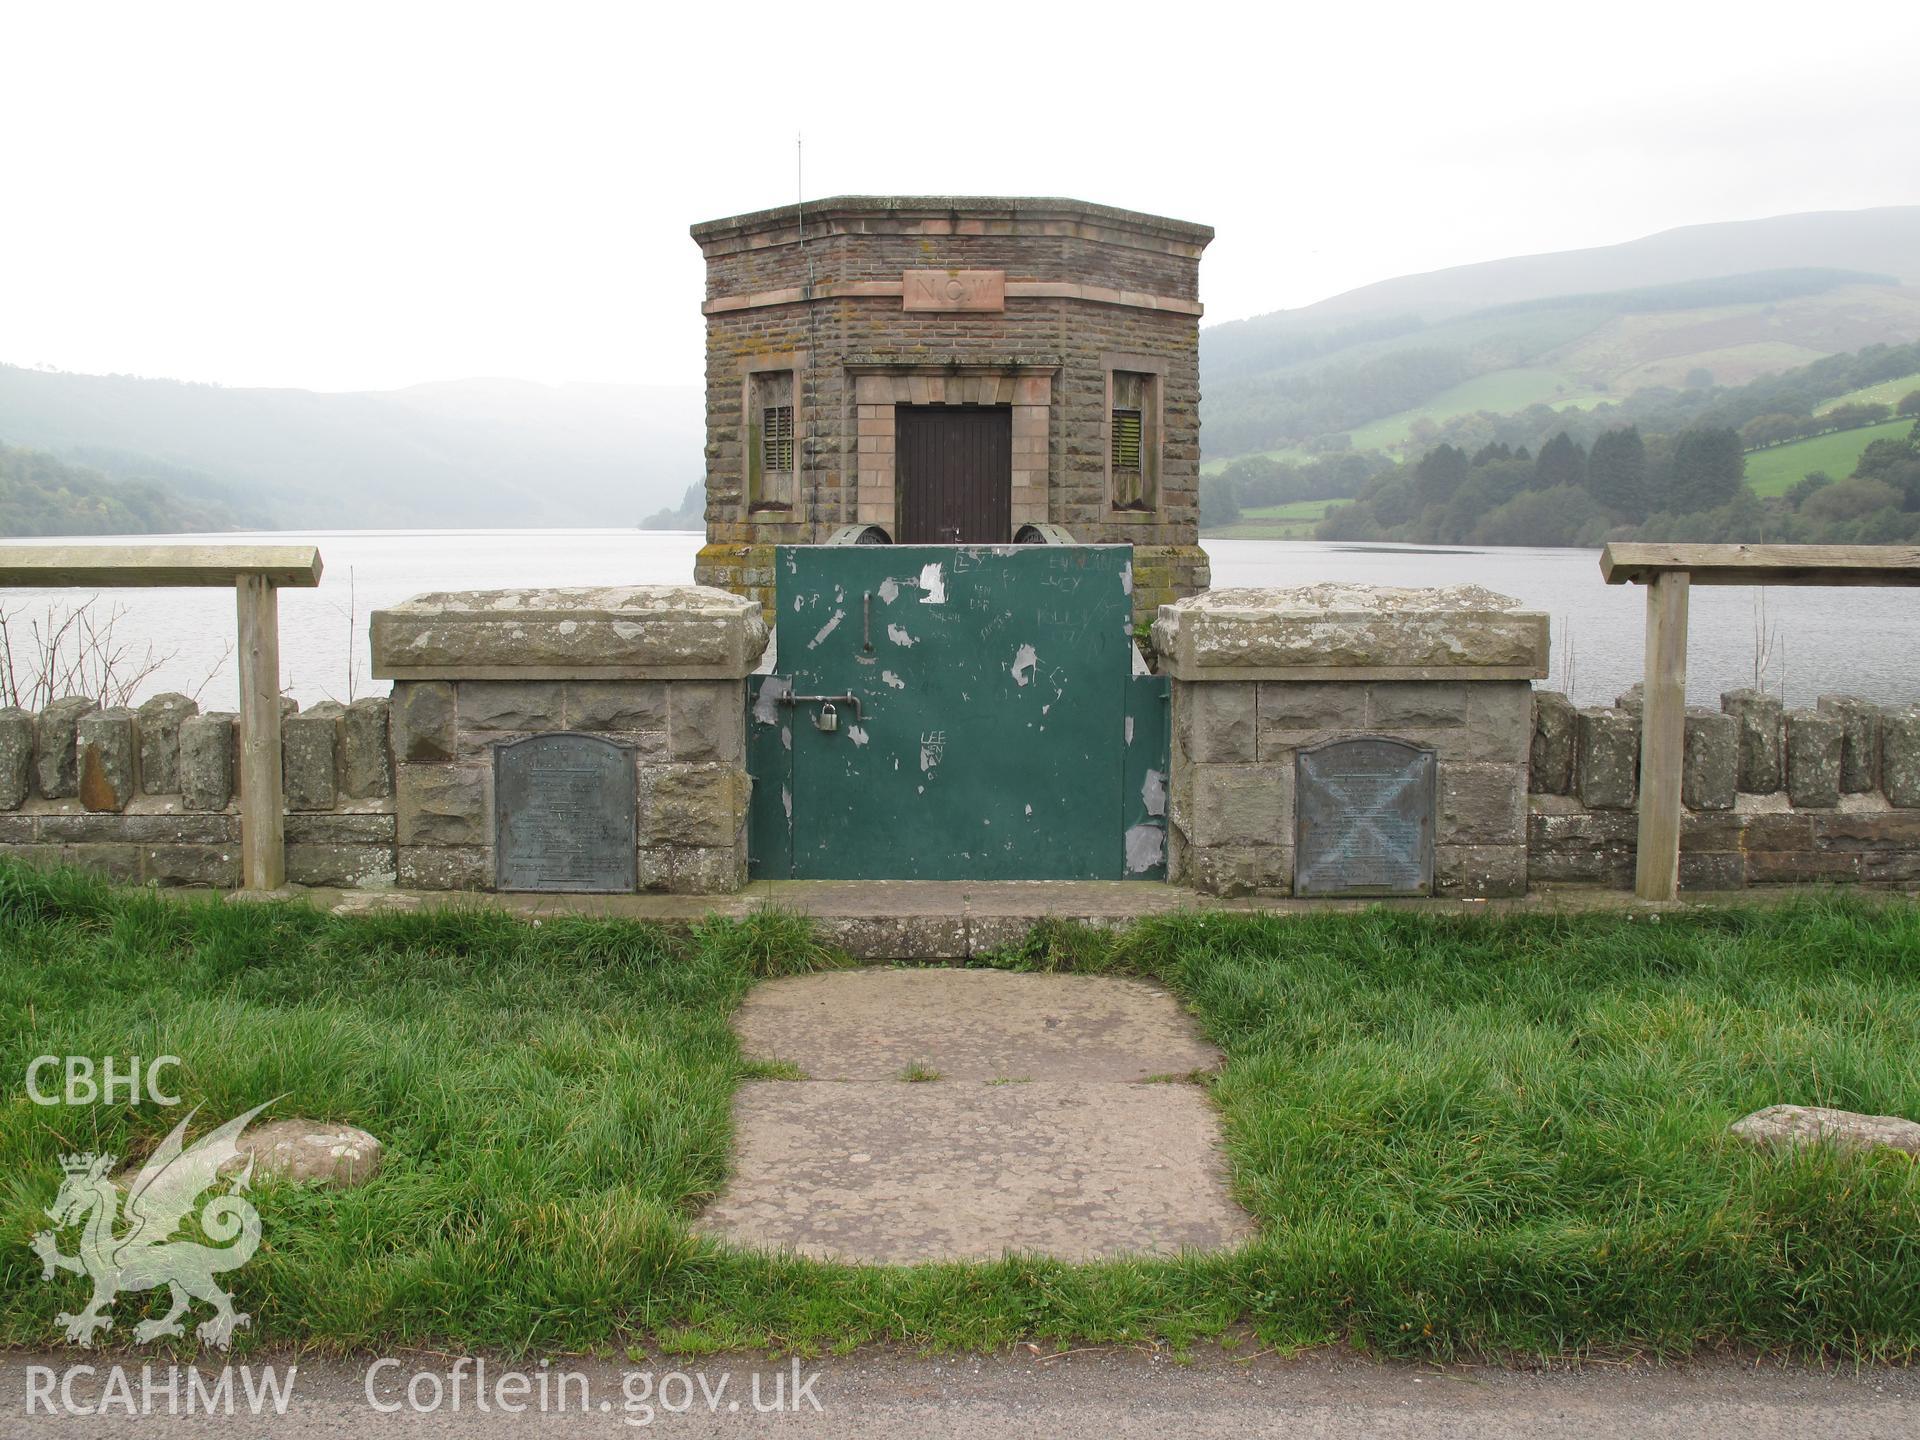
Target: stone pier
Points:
(655, 670)
(1265, 680)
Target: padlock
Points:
(828, 720)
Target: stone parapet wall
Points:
(1769, 795)
(1261, 675)
(149, 795)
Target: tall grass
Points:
(1489, 1135)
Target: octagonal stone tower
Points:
(951, 369)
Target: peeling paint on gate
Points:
(987, 748)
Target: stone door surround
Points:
(878, 388)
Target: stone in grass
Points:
(321, 1152)
(1796, 1125)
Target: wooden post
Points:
(263, 855)
(1663, 738)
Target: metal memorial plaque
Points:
(564, 815)
(1363, 817)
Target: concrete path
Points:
(1088, 1395)
(963, 1115)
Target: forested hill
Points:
(462, 453)
(1708, 305)
(42, 495)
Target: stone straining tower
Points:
(952, 369)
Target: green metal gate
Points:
(988, 719)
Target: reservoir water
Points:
(1804, 642)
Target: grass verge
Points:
(1476, 1135)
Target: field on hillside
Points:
(1772, 472)
(1292, 521)
(1501, 392)
(1887, 392)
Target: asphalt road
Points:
(1092, 1395)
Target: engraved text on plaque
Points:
(1363, 818)
(564, 816)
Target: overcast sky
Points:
(349, 197)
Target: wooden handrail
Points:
(123, 567)
(1638, 562)
(1669, 572)
(256, 573)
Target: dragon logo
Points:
(147, 1255)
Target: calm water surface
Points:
(1861, 642)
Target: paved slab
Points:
(972, 1025)
(897, 1174)
(1030, 1133)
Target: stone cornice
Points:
(895, 290)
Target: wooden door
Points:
(954, 465)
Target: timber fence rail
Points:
(256, 574)
(1669, 571)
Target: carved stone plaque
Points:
(954, 289)
(1363, 819)
(564, 814)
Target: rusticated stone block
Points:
(16, 757)
(341, 829)
(1710, 761)
(1480, 871)
(1608, 768)
(511, 707)
(1481, 805)
(1814, 743)
(55, 756)
(423, 721)
(1860, 741)
(366, 758)
(707, 870)
(1761, 719)
(1900, 756)
(1550, 758)
(206, 760)
(617, 706)
(158, 722)
(1802, 867)
(1237, 805)
(1237, 869)
(217, 866)
(105, 747)
(1713, 870)
(1217, 722)
(691, 805)
(350, 867)
(309, 757)
(446, 867)
(1395, 705)
(443, 805)
(1303, 705)
(707, 721)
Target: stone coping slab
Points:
(1351, 632)
(971, 1025)
(631, 632)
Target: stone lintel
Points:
(636, 632)
(1351, 632)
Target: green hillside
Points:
(1683, 311)
(1773, 471)
(1887, 392)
